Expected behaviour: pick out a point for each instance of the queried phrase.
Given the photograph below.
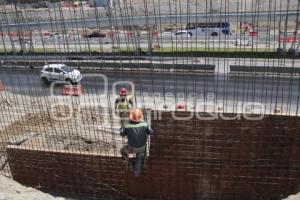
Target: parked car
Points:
(94, 34)
(60, 72)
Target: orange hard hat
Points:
(123, 91)
(136, 115)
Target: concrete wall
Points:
(194, 159)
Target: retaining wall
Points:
(192, 159)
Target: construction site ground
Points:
(46, 124)
(81, 124)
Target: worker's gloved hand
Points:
(122, 132)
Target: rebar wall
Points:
(202, 56)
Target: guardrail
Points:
(264, 70)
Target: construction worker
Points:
(137, 131)
(181, 107)
(123, 102)
(122, 105)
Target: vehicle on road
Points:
(60, 72)
(182, 34)
(253, 33)
(94, 34)
(57, 35)
(79, 3)
(42, 4)
(146, 33)
(209, 29)
(243, 42)
(166, 34)
(289, 37)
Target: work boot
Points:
(130, 166)
(136, 174)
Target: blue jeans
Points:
(139, 157)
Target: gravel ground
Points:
(59, 128)
(31, 122)
(293, 197)
(11, 190)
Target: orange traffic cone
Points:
(73, 90)
(78, 90)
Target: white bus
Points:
(208, 29)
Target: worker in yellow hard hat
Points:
(137, 131)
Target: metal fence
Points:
(145, 47)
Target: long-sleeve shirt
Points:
(137, 133)
(123, 104)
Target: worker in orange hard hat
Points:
(122, 104)
(180, 107)
(137, 131)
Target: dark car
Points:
(94, 34)
(42, 4)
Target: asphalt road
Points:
(224, 88)
(152, 20)
(165, 41)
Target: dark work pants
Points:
(139, 157)
(123, 117)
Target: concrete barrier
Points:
(96, 65)
(160, 67)
(264, 70)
